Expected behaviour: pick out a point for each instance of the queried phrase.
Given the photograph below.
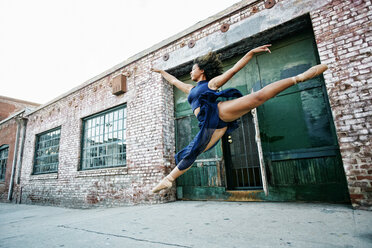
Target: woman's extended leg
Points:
(176, 172)
(234, 109)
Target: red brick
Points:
(9, 106)
(364, 177)
(356, 196)
(352, 35)
(8, 130)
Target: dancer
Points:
(219, 117)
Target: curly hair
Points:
(211, 64)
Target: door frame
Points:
(260, 153)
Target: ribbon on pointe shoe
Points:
(311, 73)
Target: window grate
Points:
(3, 161)
(104, 141)
(47, 152)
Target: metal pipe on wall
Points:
(19, 163)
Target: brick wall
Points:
(146, 158)
(343, 31)
(9, 106)
(150, 136)
(150, 123)
(8, 131)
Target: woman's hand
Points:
(264, 48)
(220, 80)
(155, 70)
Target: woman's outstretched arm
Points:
(220, 80)
(174, 81)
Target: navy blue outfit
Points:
(205, 98)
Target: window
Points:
(3, 160)
(47, 151)
(104, 139)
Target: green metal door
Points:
(298, 137)
(299, 144)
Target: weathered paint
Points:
(298, 139)
(343, 42)
(248, 195)
(203, 193)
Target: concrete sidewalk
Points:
(187, 224)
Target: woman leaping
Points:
(219, 117)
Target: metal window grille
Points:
(47, 151)
(3, 161)
(104, 140)
(244, 170)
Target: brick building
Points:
(12, 128)
(109, 141)
(9, 106)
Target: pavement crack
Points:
(123, 236)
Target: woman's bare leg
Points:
(234, 109)
(216, 136)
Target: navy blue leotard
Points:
(205, 98)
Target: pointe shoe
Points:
(310, 73)
(164, 184)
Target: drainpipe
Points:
(14, 159)
(19, 163)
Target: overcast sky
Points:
(48, 47)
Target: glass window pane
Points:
(47, 151)
(3, 163)
(107, 149)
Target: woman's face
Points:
(196, 73)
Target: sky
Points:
(48, 47)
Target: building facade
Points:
(109, 141)
(9, 106)
(12, 131)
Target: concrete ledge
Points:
(103, 172)
(44, 176)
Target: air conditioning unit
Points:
(119, 84)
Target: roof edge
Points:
(19, 100)
(12, 116)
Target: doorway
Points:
(242, 161)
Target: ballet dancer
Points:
(219, 117)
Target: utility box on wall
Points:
(119, 85)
